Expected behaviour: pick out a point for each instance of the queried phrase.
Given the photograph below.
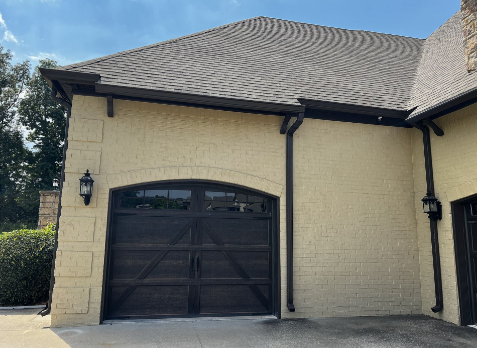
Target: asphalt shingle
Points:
(272, 60)
(442, 73)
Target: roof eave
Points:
(101, 89)
(197, 99)
(446, 107)
(70, 76)
(354, 109)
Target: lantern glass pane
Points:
(433, 207)
(425, 207)
(85, 189)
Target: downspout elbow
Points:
(439, 305)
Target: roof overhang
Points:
(70, 76)
(354, 109)
(103, 90)
(446, 107)
(197, 99)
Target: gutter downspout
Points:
(289, 208)
(67, 106)
(436, 260)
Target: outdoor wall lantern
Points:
(432, 207)
(86, 187)
(56, 183)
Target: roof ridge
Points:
(327, 26)
(91, 61)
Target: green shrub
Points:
(25, 266)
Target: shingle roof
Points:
(442, 73)
(272, 60)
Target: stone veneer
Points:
(469, 16)
(48, 208)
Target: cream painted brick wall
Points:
(78, 160)
(78, 229)
(455, 176)
(355, 233)
(356, 249)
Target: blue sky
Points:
(75, 30)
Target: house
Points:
(271, 167)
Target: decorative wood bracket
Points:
(437, 130)
(286, 120)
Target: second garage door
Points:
(191, 249)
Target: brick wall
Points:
(48, 210)
(356, 248)
(455, 176)
(355, 235)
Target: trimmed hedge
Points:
(25, 266)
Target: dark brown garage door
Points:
(191, 249)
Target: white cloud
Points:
(43, 55)
(2, 22)
(7, 35)
(57, 57)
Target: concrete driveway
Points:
(23, 328)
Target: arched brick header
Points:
(197, 173)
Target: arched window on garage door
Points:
(191, 249)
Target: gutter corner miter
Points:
(67, 105)
(423, 126)
(289, 201)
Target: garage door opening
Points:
(464, 217)
(182, 249)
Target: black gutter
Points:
(339, 116)
(289, 208)
(105, 90)
(70, 76)
(196, 99)
(436, 259)
(355, 109)
(67, 105)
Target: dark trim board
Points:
(309, 113)
(177, 103)
(329, 110)
(274, 282)
(354, 109)
(70, 76)
(462, 262)
(447, 106)
(197, 99)
(356, 118)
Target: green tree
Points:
(45, 121)
(13, 79)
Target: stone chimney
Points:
(469, 16)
